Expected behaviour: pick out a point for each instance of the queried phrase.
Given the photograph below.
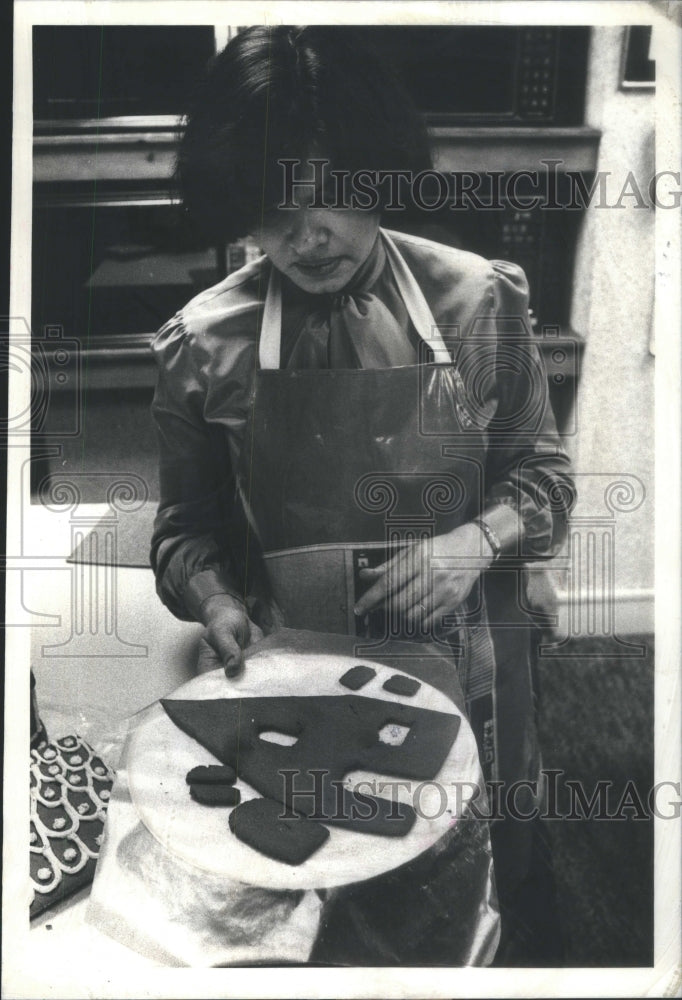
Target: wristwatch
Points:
(492, 538)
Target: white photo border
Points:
(22, 972)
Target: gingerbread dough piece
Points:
(334, 735)
(400, 684)
(357, 677)
(213, 774)
(160, 755)
(215, 795)
(259, 823)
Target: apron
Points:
(339, 465)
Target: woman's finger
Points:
(408, 604)
(208, 658)
(372, 572)
(433, 621)
(443, 609)
(397, 574)
(414, 615)
(386, 589)
(412, 602)
(228, 642)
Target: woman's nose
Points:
(307, 232)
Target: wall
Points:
(613, 309)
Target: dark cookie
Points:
(215, 795)
(336, 735)
(292, 840)
(212, 774)
(357, 677)
(399, 684)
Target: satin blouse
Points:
(207, 356)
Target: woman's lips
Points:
(320, 268)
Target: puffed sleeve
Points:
(529, 490)
(190, 552)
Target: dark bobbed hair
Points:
(283, 92)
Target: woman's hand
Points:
(229, 630)
(411, 588)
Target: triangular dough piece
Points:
(335, 735)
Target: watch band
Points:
(491, 537)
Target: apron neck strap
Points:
(417, 308)
(271, 327)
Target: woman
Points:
(353, 389)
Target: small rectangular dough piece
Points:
(400, 684)
(215, 795)
(212, 774)
(259, 824)
(357, 677)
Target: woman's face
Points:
(319, 249)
